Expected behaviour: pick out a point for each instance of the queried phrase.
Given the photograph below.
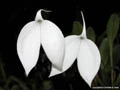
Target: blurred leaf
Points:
(77, 28)
(1, 88)
(104, 51)
(20, 83)
(98, 80)
(101, 37)
(15, 87)
(3, 75)
(114, 76)
(105, 75)
(47, 85)
(116, 54)
(91, 34)
(118, 80)
(105, 64)
(112, 27)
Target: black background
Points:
(63, 14)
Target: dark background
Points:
(63, 14)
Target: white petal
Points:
(28, 45)
(53, 43)
(72, 44)
(88, 60)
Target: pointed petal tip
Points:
(82, 16)
(50, 76)
(26, 73)
(89, 84)
(84, 26)
(81, 13)
(39, 14)
(45, 10)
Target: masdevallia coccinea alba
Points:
(61, 51)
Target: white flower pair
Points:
(61, 51)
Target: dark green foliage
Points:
(116, 54)
(110, 70)
(112, 27)
(117, 82)
(13, 83)
(77, 28)
(104, 51)
(47, 85)
(91, 34)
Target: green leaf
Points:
(116, 54)
(104, 51)
(91, 34)
(118, 80)
(15, 87)
(101, 37)
(77, 28)
(47, 85)
(1, 88)
(105, 76)
(112, 27)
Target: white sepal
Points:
(28, 45)
(52, 41)
(88, 60)
(72, 44)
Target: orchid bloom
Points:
(33, 35)
(85, 51)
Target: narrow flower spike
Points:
(86, 53)
(37, 33)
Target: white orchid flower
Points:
(37, 33)
(85, 51)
